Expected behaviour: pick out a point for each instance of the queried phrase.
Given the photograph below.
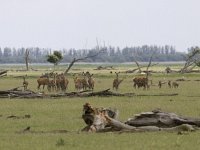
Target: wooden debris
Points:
(17, 93)
(3, 73)
(99, 120)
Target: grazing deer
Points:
(25, 83)
(116, 81)
(175, 84)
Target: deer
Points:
(78, 83)
(175, 84)
(140, 82)
(43, 81)
(25, 83)
(51, 85)
(84, 81)
(63, 83)
(91, 82)
(169, 84)
(116, 81)
(159, 84)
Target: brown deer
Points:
(52, 85)
(175, 84)
(42, 81)
(63, 83)
(91, 82)
(116, 81)
(78, 83)
(25, 83)
(169, 84)
(84, 81)
(140, 82)
(159, 84)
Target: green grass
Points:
(65, 113)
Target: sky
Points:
(80, 24)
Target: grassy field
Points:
(65, 113)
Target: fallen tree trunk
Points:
(3, 73)
(99, 120)
(161, 119)
(16, 93)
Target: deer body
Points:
(25, 83)
(91, 82)
(116, 81)
(42, 81)
(175, 84)
(140, 82)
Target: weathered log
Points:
(161, 119)
(98, 120)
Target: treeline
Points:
(109, 54)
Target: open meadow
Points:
(65, 113)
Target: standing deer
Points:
(116, 81)
(91, 82)
(84, 81)
(175, 84)
(63, 83)
(169, 84)
(43, 81)
(78, 83)
(25, 83)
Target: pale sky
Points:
(78, 23)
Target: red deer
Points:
(25, 83)
(43, 81)
(140, 82)
(159, 84)
(116, 81)
(52, 85)
(63, 83)
(175, 84)
(91, 82)
(78, 83)
(169, 84)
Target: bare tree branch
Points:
(80, 59)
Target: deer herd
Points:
(85, 81)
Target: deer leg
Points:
(38, 86)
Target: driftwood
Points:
(99, 120)
(3, 73)
(104, 68)
(17, 93)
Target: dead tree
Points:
(3, 73)
(191, 61)
(80, 59)
(104, 120)
(27, 59)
